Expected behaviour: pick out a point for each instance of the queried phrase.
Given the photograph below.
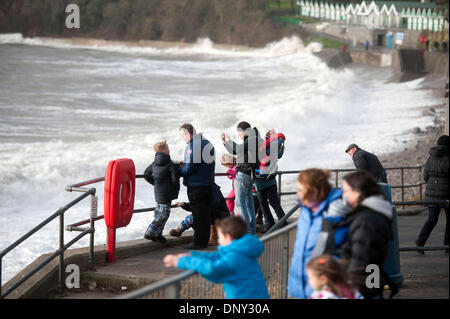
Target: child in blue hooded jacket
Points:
(235, 263)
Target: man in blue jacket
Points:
(197, 170)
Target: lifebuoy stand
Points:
(120, 181)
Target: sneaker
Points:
(175, 232)
(419, 244)
(193, 246)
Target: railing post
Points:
(61, 253)
(337, 179)
(1, 257)
(285, 265)
(173, 291)
(420, 183)
(279, 186)
(403, 187)
(93, 214)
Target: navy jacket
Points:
(199, 162)
(165, 176)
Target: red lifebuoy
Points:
(120, 179)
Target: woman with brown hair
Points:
(315, 195)
(369, 228)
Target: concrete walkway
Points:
(424, 276)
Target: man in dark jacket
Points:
(367, 161)
(436, 175)
(165, 176)
(248, 155)
(197, 170)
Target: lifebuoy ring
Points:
(120, 181)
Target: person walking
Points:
(367, 161)
(435, 174)
(197, 170)
(369, 229)
(247, 157)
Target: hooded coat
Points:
(436, 173)
(165, 176)
(368, 239)
(309, 226)
(235, 265)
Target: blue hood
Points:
(247, 246)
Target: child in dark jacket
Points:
(165, 176)
(235, 263)
(219, 210)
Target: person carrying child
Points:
(329, 280)
(165, 177)
(229, 161)
(235, 263)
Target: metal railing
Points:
(93, 218)
(62, 247)
(337, 175)
(274, 263)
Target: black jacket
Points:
(249, 153)
(369, 162)
(368, 240)
(218, 205)
(436, 174)
(165, 176)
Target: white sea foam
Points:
(65, 114)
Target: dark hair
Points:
(328, 266)
(243, 125)
(364, 183)
(234, 226)
(443, 140)
(188, 127)
(315, 184)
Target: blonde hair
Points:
(228, 159)
(160, 146)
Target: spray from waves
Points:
(203, 46)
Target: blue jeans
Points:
(243, 186)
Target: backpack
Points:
(268, 166)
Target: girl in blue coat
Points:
(235, 263)
(315, 194)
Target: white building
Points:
(378, 14)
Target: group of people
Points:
(251, 165)
(339, 232)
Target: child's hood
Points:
(248, 245)
(162, 159)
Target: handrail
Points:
(60, 252)
(189, 273)
(91, 191)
